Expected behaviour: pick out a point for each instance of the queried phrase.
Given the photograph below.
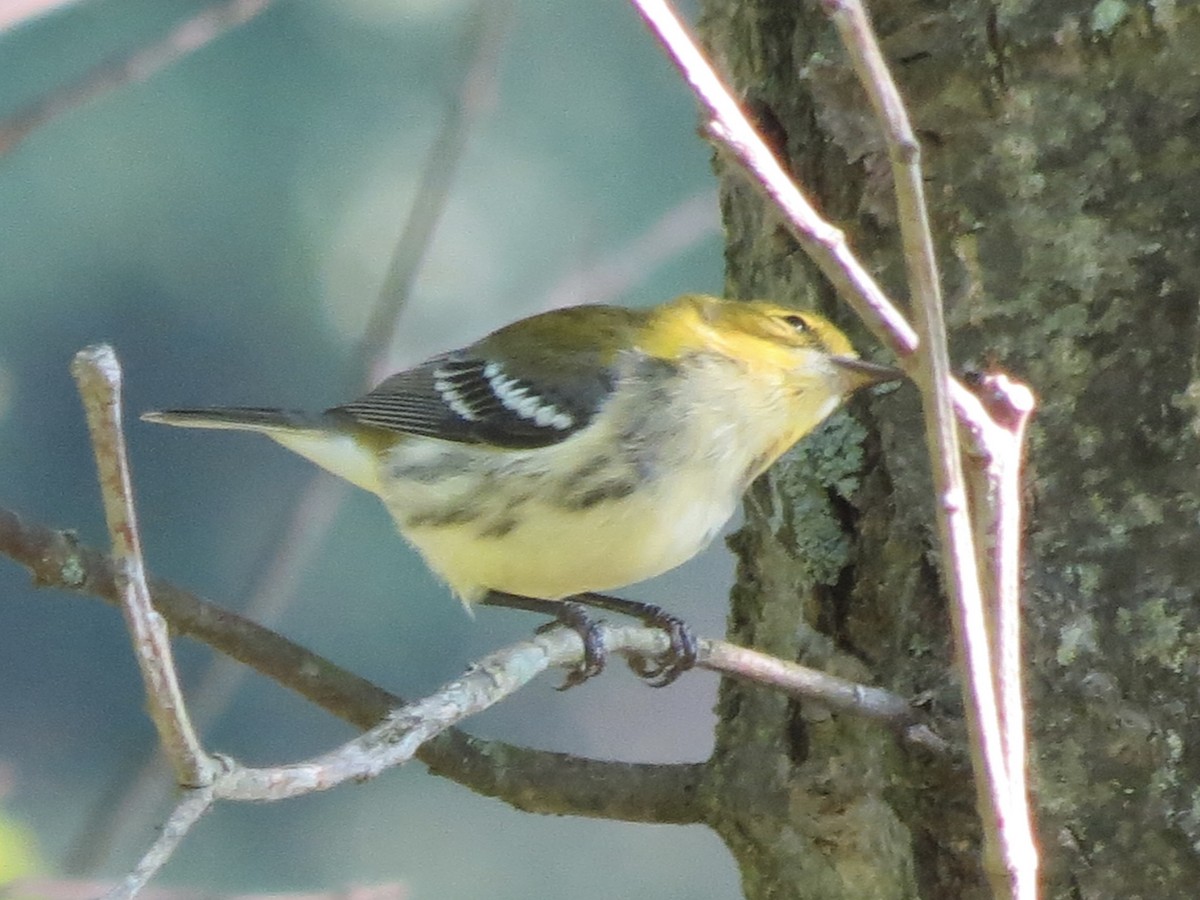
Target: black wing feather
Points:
(464, 398)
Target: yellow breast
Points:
(540, 549)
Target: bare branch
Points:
(99, 378)
(185, 39)
(995, 483)
(825, 244)
(195, 803)
(1004, 811)
(839, 694)
(397, 738)
(473, 97)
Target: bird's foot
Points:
(683, 650)
(571, 615)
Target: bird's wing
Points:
(462, 398)
(558, 370)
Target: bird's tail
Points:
(324, 439)
(238, 418)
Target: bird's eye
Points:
(797, 322)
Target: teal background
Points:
(226, 225)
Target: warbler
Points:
(579, 450)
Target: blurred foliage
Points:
(19, 856)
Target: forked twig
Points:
(1003, 804)
(99, 378)
(996, 505)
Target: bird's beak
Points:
(867, 373)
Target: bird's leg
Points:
(570, 614)
(672, 664)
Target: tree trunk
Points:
(1062, 155)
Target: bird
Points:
(580, 450)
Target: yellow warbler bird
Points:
(579, 450)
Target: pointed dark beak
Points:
(868, 373)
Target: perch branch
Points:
(533, 780)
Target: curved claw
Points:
(684, 647)
(681, 656)
(572, 615)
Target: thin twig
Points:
(195, 803)
(183, 40)
(825, 244)
(397, 739)
(680, 228)
(137, 800)
(1006, 471)
(99, 378)
(1003, 808)
(1016, 874)
(496, 677)
(996, 506)
(474, 96)
(876, 703)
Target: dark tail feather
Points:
(239, 418)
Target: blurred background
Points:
(228, 224)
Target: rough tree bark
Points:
(1062, 149)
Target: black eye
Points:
(798, 322)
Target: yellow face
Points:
(757, 331)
